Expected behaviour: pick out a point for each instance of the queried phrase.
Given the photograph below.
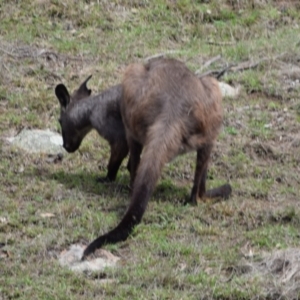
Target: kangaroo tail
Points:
(156, 154)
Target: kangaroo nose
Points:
(69, 147)
(66, 146)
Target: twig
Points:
(35, 53)
(208, 63)
(216, 73)
(160, 55)
(9, 53)
(251, 65)
(221, 43)
(5, 67)
(46, 52)
(248, 65)
(238, 68)
(222, 72)
(212, 73)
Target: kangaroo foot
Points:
(103, 179)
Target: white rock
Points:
(229, 91)
(38, 141)
(72, 260)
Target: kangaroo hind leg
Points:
(135, 149)
(199, 188)
(223, 191)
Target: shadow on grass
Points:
(108, 196)
(87, 182)
(165, 191)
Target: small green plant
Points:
(231, 130)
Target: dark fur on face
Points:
(167, 111)
(81, 112)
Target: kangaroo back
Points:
(166, 90)
(166, 111)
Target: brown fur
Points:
(167, 111)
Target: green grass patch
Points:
(177, 252)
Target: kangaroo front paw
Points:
(103, 179)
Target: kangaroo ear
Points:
(83, 91)
(62, 95)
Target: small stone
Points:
(98, 262)
(229, 91)
(38, 141)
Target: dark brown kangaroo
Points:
(80, 113)
(167, 111)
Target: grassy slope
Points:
(177, 252)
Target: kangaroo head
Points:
(72, 134)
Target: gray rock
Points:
(229, 91)
(72, 260)
(38, 141)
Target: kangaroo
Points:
(168, 111)
(80, 113)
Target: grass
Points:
(177, 252)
